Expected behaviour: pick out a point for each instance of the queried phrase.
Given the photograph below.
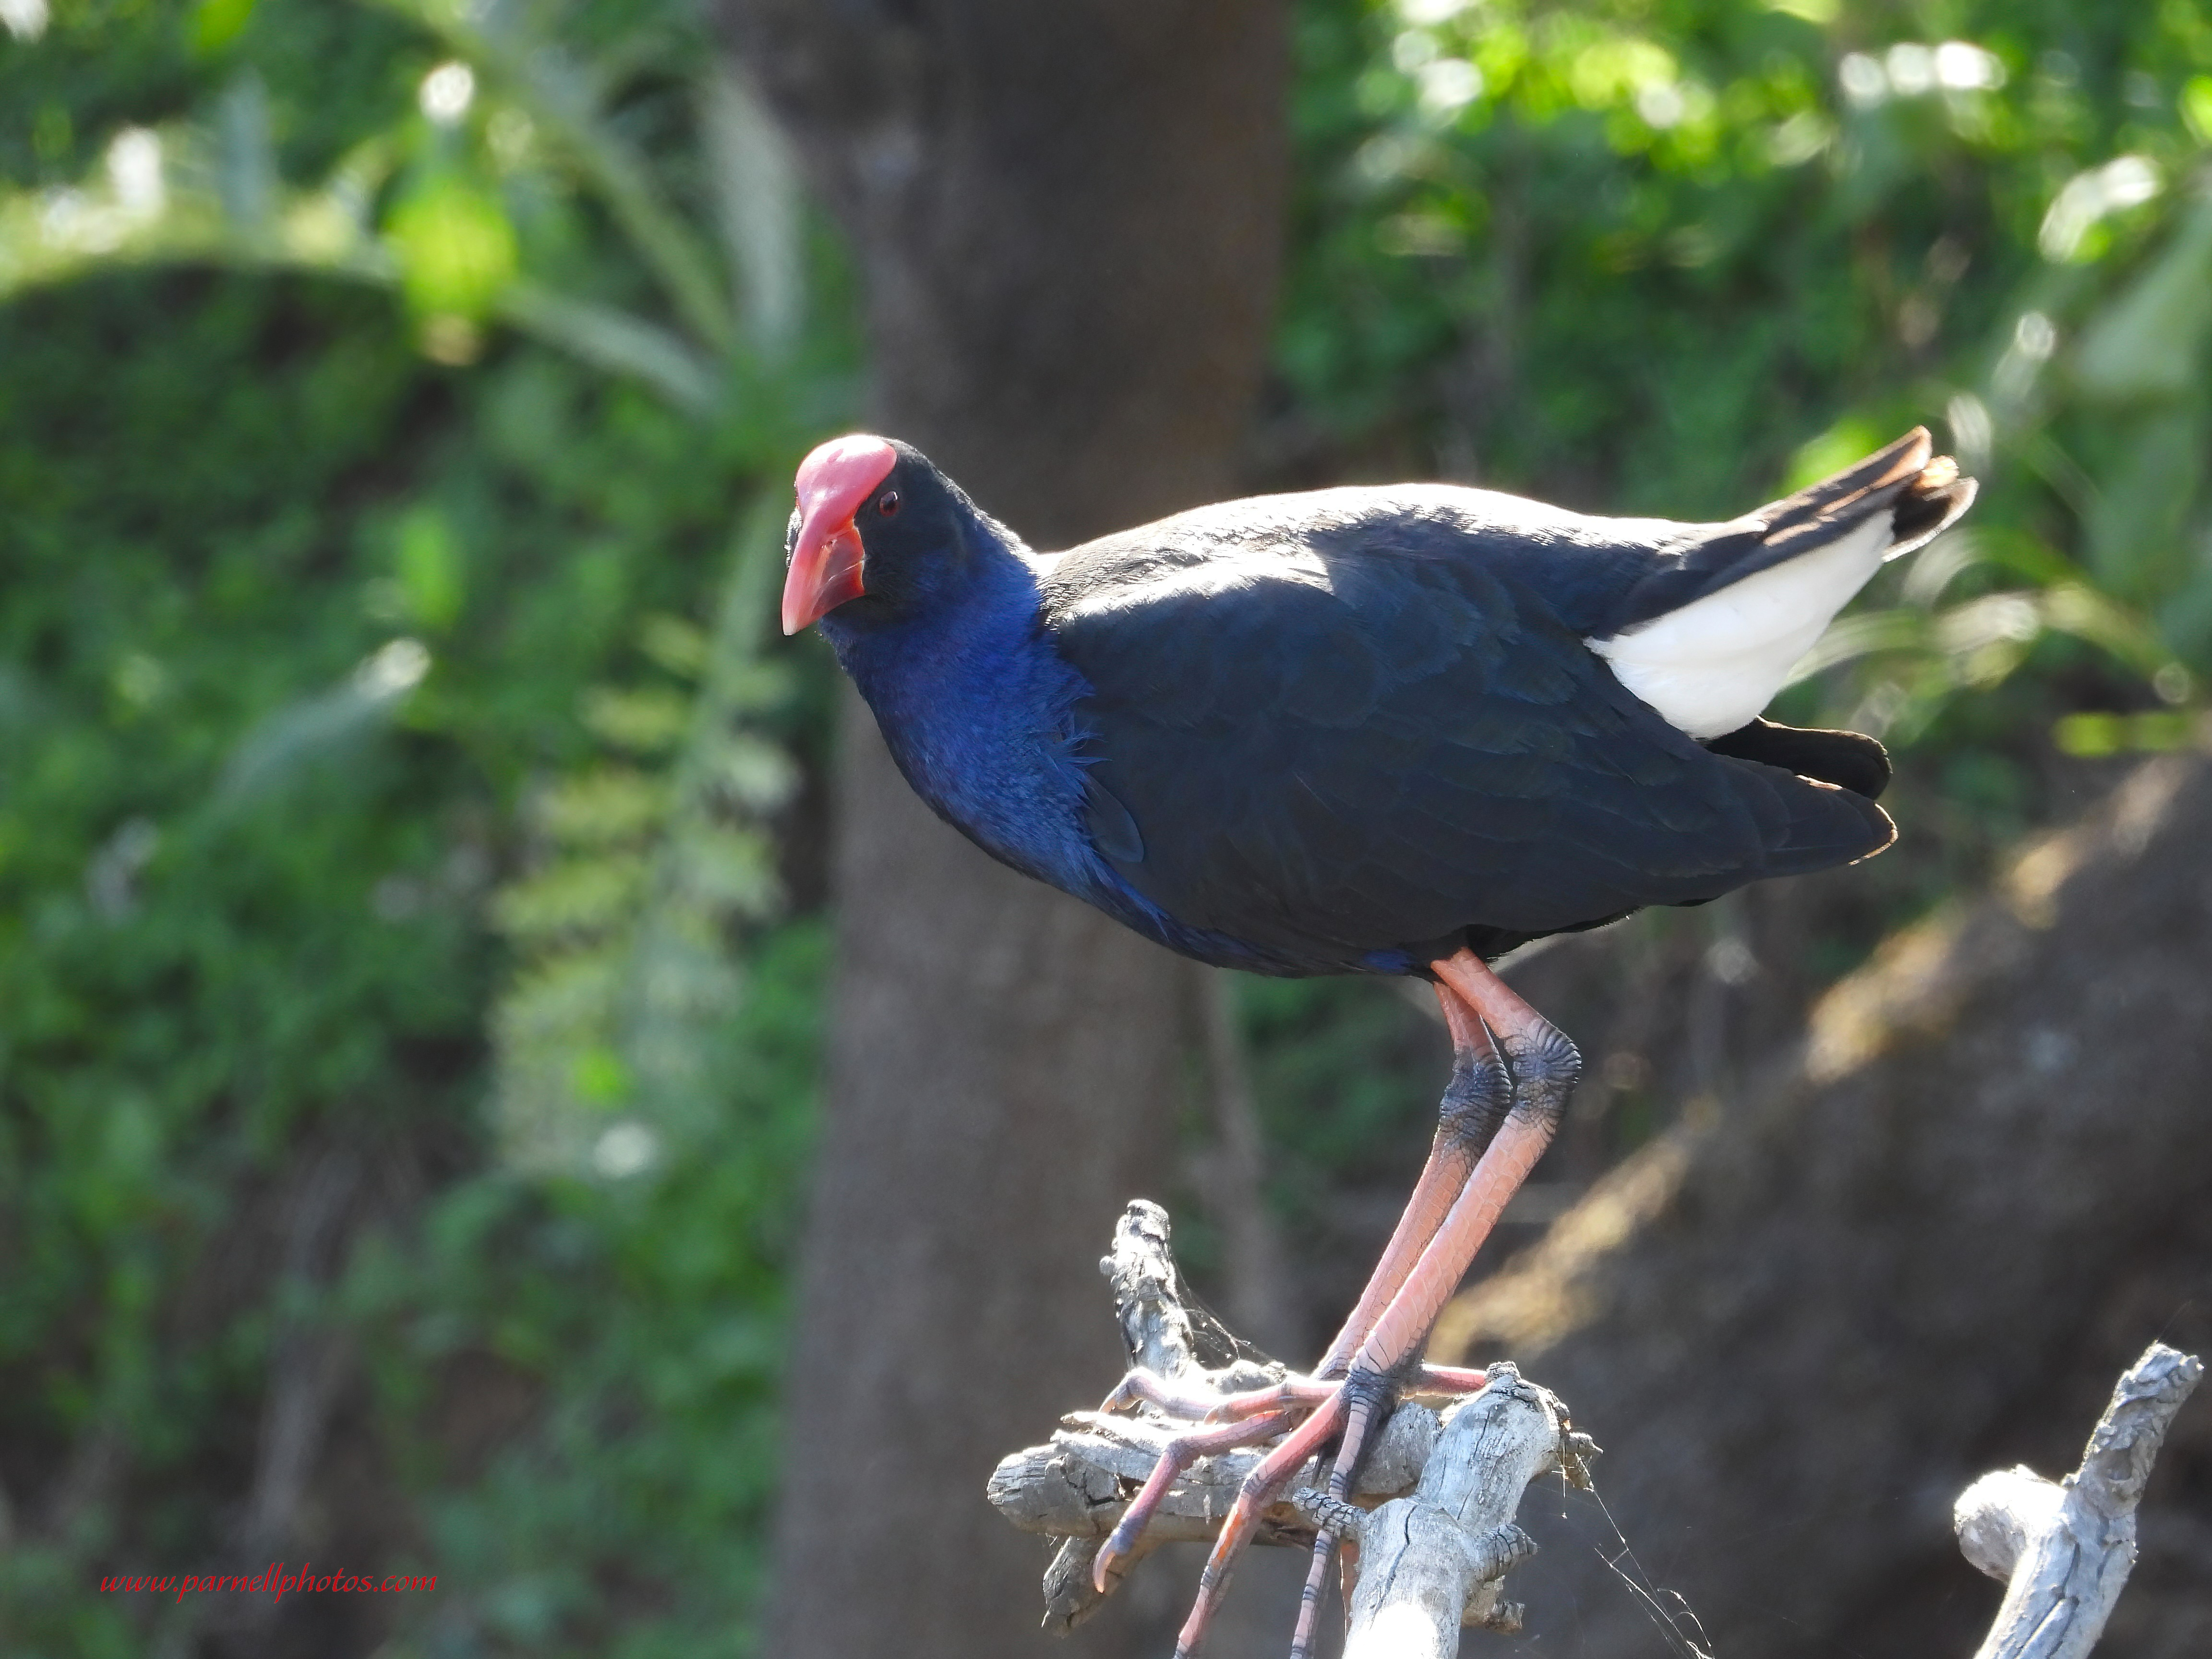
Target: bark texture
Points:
(1978, 1190)
(2063, 1549)
(1068, 218)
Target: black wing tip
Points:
(1849, 760)
(1830, 825)
(1923, 492)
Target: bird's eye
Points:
(887, 503)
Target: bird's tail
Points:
(1924, 492)
(1709, 639)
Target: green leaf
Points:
(429, 568)
(217, 23)
(644, 722)
(574, 896)
(456, 248)
(603, 808)
(678, 646)
(2196, 107)
(2098, 734)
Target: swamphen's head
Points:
(877, 534)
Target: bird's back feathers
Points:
(1350, 757)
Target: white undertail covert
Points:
(1713, 665)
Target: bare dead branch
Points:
(1077, 1486)
(2064, 1549)
(1434, 1561)
(1432, 1521)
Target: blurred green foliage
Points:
(387, 759)
(396, 404)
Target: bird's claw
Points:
(1260, 1489)
(1177, 1456)
(1174, 1398)
(1220, 1422)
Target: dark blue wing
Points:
(1331, 741)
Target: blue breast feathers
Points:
(985, 718)
(978, 710)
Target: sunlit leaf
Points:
(2098, 734)
(757, 774)
(429, 568)
(456, 247)
(606, 807)
(645, 722)
(217, 23)
(1849, 440)
(575, 896)
(676, 644)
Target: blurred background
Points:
(496, 1078)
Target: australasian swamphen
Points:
(1381, 731)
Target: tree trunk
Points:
(1920, 1250)
(1069, 221)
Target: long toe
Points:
(1177, 1456)
(1262, 1488)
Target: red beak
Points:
(834, 482)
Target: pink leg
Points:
(1302, 1637)
(1260, 1488)
(1359, 1422)
(1176, 1401)
(1297, 1393)
(1347, 1558)
(1371, 1397)
(1473, 1104)
(1178, 1455)
(1476, 1099)
(1544, 1065)
(1447, 1379)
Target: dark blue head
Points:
(880, 536)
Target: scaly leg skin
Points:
(1475, 1103)
(1262, 1488)
(1178, 1455)
(1302, 1637)
(1293, 1394)
(1544, 1067)
(1246, 1419)
(1360, 1417)
(1447, 1379)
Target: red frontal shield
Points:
(825, 560)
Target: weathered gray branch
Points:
(1433, 1551)
(1435, 1560)
(1447, 1493)
(2065, 1548)
(1077, 1486)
